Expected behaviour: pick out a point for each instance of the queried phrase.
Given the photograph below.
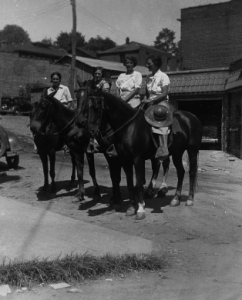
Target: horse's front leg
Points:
(73, 172)
(193, 161)
(44, 160)
(128, 169)
(139, 165)
(115, 174)
(155, 163)
(177, 160)
(92, 172)
(163, 189)
(79, 157)
(52, 170)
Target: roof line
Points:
(197, 71)
(211, 4)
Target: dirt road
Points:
(204, 240)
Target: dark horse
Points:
(70, 126)
(50, 110)
(48, 142)
(134, 143)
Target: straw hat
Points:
(159, 116)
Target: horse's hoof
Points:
(80, 196)
(140, 216)
(130, 211)
(174, 202)
(189, 203)
(162, 192)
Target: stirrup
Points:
(111, 151)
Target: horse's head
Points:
(82, 106)
(40, 115)
(95, 113)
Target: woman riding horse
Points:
(159, 115)
(129, 83)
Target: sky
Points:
(140, 20)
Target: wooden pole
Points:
(73, 58)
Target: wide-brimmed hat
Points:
(159, 116)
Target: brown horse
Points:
(134, 143)
(113, 162)
(48, 142)
(50, 110)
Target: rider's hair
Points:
(157, 61)
(55, 73)
(131, 58)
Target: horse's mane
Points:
(117, 103)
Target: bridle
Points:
(104, 134)
(43, 132)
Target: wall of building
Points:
(16, 71)
(211, 35)
(234, 124)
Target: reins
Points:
(120, 128)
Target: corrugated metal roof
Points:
(193, 82)
(107, 65)
(234, 80)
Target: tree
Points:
(48, 41)
(100, 44)
(177, 51)
(14, 34)
(165, 41)
(64, 40)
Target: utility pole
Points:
(73, 57)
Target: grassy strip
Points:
(77, 268)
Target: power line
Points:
(37, 16)
(118, 33)
(23, 13)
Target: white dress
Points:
(127, 83)
(63, 94)
(155, 85)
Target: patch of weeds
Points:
(77, 268)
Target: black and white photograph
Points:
(121, 149)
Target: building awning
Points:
(107, 65)
(234, 80)
(198, 81)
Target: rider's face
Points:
(129, 65)
(98, 75)
(55, 81)
(150, 65)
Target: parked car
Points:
(15, 105)
(10, 147)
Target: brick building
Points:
(211, 35)
(19, 71)
(233, 110)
